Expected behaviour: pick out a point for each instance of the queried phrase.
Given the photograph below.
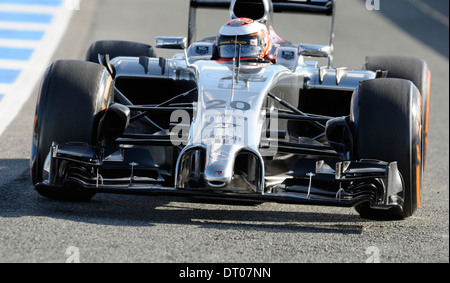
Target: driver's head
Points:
(250, 36)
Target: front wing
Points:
(131, 170)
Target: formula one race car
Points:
(242, 115)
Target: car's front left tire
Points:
(385, 120)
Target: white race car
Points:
(241, 115)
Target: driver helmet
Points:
(251, 36)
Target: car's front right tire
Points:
(72, 97)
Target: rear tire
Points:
(385, 118)
(72, 98)
(116, 48)
(415, 70)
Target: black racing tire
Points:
(415, 70)
(72, 98)
(385, 121)
(116, 48)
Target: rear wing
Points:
(303, 6)
(319, 7)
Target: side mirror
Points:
(314, 50)
(171, 42)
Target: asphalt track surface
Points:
(117, 228)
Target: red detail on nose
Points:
(219, 172)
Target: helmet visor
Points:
(232, 51)
(228, 46)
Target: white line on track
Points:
(13, 64)
(29, 8)
(23, 26)
(430, 11)
(19, 43)
(5, 88)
